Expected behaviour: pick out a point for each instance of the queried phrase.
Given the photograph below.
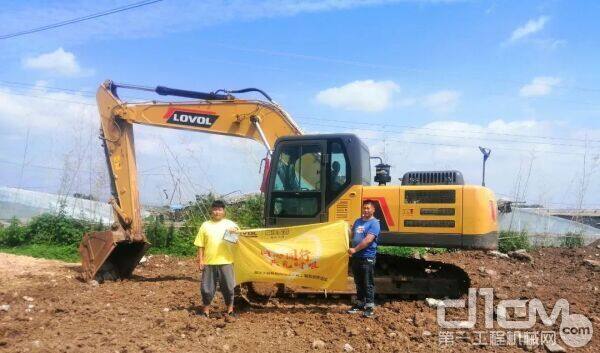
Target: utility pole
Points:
(486, 154)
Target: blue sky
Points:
(423, 82)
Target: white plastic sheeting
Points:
(25, 204)
(543, 228)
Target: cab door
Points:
(297, 184)
(343, 195)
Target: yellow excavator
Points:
(307, 179)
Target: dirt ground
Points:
(47, 308)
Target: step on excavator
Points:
(307, 179)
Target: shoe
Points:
(230, 317)
(355, 309)
(369, 313)
(205, 315)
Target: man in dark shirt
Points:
(363, 252)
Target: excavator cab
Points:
(309, 172)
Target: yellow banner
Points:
(314, 256)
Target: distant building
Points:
(25, 204)
(544, 227)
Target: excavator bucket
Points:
(109, 255)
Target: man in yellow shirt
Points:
(215, 258)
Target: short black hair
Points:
(217, 204)
(370, 202)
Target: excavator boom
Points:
(115, 253)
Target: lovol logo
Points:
(197, 118)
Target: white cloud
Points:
(366, 96)
(531, 27)
(45, 111)
(539, 86)
(58, 62)
(441, 102)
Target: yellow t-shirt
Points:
(217, 251)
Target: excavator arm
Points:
(115, 253)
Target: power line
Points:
(370, 124)
(485, 93)
(44, 88)
(80, 19)
(383, 130)
(48, 98)
(457, 137)
(357, 63)
(438, 129)
(461, 145)
(45, 167)
(470, 146)
(41, 90)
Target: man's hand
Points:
(351, 251)
(233, 230)
(200, 263)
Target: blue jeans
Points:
(363, 271)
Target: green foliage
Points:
(47, 228)
(157, 232)
(248, 213)
(405, 251)
(68, 253)
(55, 229)
(572, 240)
(510, 240)
(57, 236)
(197, 212)
(13, 235)
(166, 239)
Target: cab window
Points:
(366, 166)
(299, 169)
(338, 170)
(297, 186)
(295, 206)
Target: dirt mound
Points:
(49, 309)
(15, 266)
(18, 272)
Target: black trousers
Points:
(363, 271)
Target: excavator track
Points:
(395, 277)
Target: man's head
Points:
(217, 210)
(368, 209)
(335, 166)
